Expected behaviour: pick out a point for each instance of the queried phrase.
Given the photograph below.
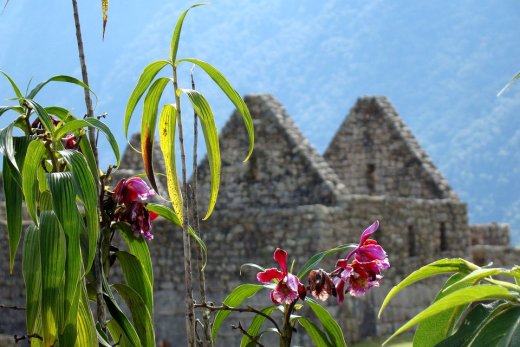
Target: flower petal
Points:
(280, 256)
(269, 275)
(369, 231)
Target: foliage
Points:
(473, 308)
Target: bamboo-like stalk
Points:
(208, 341)
(190, 312)
(98, 263)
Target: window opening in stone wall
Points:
(371, 178)
(412, 250)
(444, 241)
(253, 168)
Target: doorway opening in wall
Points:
(371, 178)
(412, 250)
(444, 241)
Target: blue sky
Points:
(441, 64)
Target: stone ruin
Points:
(288, 195)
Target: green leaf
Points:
(473, 322)
(35, 154)
(438, 267)
(145, 79)
(13, 197)
(44, 117)
(436, 328)
(17, 91)
(330, 325)
(508, 84)
(141, 317)
(177, 32)
(62, 113)
(167, 125)
(138, 247)
(255, 325)
(148, 125)
(92, 123)
(501, 331)
(460, 297)
(86, 149)
(104, 7)
(235, 298)
(7, 145)
(475, 276)
(52, 250)
(4, 109)
(31, 265)
(318, 337)
(233, 96)
(164, 212)
(86, 188)
(63, 193)
(207, 122)
(122, 325)
(314, 261)
(86, 327)
(136, 277)
(60, 78)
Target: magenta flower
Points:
(288, 287)
(131, 190)
(70, 141)
(131, 193)
(364, 272)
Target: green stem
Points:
(190, 314)
(286, 335)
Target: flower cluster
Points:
(364, 272)
(131, 194)
(359, 271)
(288, 287)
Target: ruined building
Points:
(290, 196)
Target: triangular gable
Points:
(284, 170)
(374, 153)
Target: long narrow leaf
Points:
(32, 276)
(330, 325)
(52, 250)
(235, 298)
(438, 267)
(141, 317)
(136, 277)
(164, 212)
(145, 79)
(177, 32)
(86, 188)
(509, 84)
(460, 297)
(104, 8)
(124, 324)
(436, 328)
(233, 96)
(167, 124)
(255, 325)
(209, 129)
(503, 330)
(138, 247)
(93, 123)
(60, 78)
(86, 327)
(314, 261)
(43, 115)
(7, 145)
(148, 125)
(61, 185)
(4, 109)
(35, 154)
(17, 91)
(318, 337)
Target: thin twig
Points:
(208, 341)
(12, 307)
(190, 313)
(251, 337)
(225, 307)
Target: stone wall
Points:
(490, 234)
(374, 153)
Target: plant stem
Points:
(286, 335)
(190, 314)
(84, 75)
(208, 341)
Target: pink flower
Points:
(364, 272)
(288, 287)
(139, 219)
(131, 190)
